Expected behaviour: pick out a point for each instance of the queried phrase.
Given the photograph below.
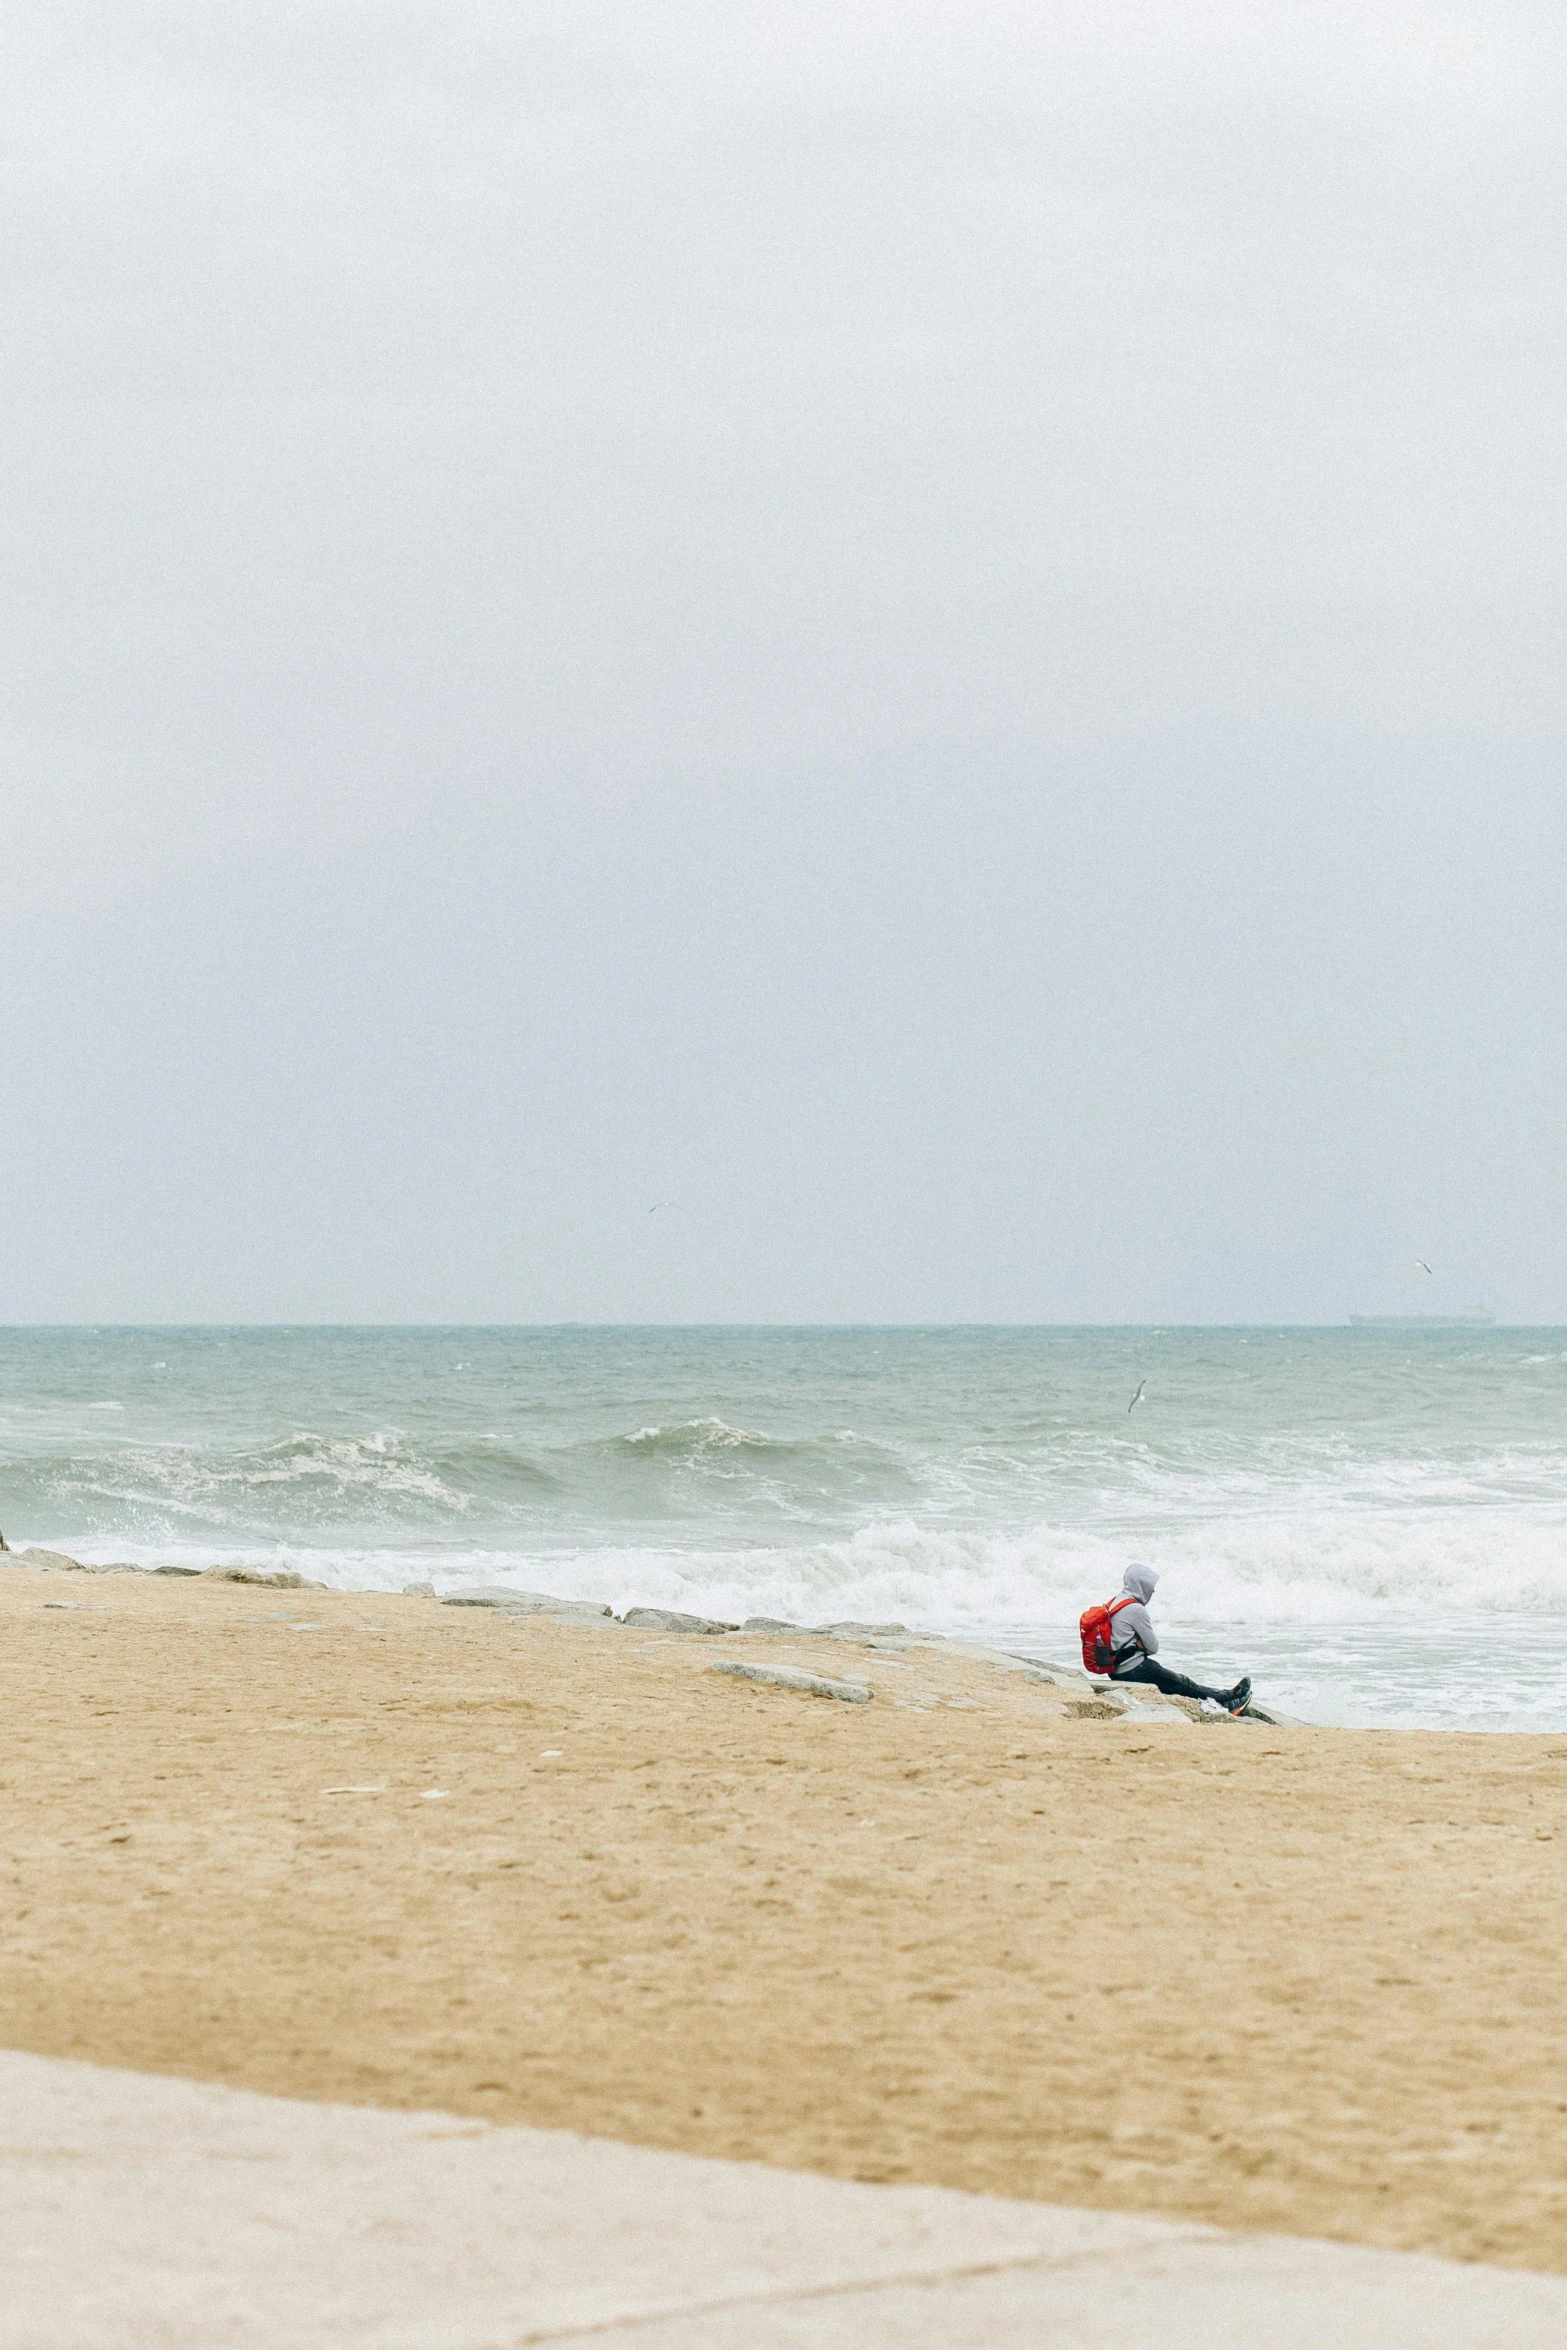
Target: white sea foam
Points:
(1313, 1628)
(1265, 1573)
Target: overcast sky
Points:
(933, 631)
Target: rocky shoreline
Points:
(1084, 1697)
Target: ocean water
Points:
(1373, 1523)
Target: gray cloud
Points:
(694, 457)
(404, 396)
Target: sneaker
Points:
(1239, 1697)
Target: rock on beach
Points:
(795, 1677)
(527, 1603)
(268, 1578)
(666, 1619)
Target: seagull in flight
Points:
(1137, 1398)
(662, 1203)
(1424, 1267)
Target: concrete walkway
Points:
(144, 2214)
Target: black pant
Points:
(1148, 1668)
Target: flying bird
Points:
(1137, 1398)
(662, 1203)
(1424, 1267)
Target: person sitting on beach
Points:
(1133, 1641)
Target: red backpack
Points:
(1094, 1624)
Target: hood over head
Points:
(1139, 1582)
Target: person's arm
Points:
(1139, 1622)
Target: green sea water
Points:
(1373, 1522)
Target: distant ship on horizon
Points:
(1481, 1319)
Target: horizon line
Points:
(1403, 1322)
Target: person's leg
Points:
(1148, 1668)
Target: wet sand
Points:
(1301, 1980)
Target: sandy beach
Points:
(379, 1850)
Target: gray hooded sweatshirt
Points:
(1131, 1625)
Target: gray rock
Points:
(861, 1631)
(792, 1677)
(665, 1619)
(81, 1566)
(418, 1591)
(770, 1624)
(270, 1579)
(57, 1562)
(176, 1570)
(527, 1603)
